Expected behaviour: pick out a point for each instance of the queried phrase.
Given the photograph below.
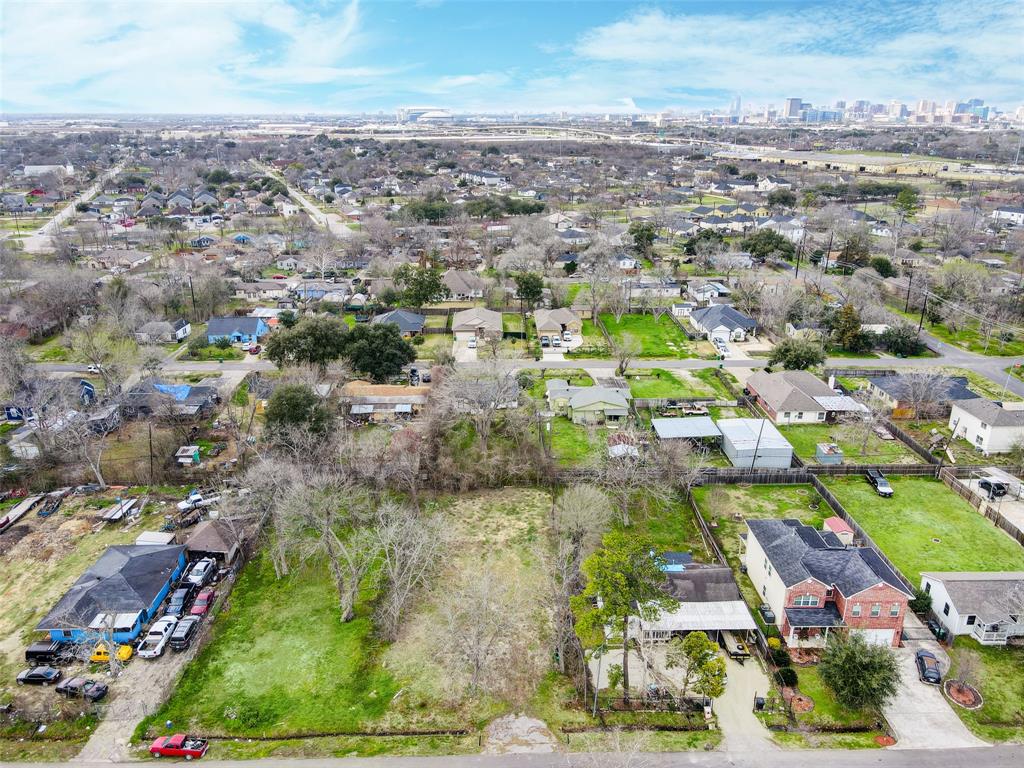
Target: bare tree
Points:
(624, 349)
(478, 394)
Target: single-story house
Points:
(989, 426)
(755, 444)
(709, 602)
(798, 397)
(806, 331)
(176, 401)
(163, 332)
(705, 292)
(383, 402)
(597, 405)
(573, 238)
(477, 322)
(557, 321)
(559, 392)
(899, 393)
(720, 321)
(1013, 214)
(120, 593)
(409, 323)
(986, 606)
(817, 585)
(463, 285)
(236, 329)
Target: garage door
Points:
(876, 636)
(720, 335)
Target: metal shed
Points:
(755, 444)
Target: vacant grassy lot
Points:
(657, 338)
(970, 337)
(593, 340)
(281, 664)
(1001, 683)
(512, 321)
(927, 527)
(432, 344)
(575, 444)
(658, 383)
(805, 438)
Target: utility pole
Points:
(195, 315)
(924, 307)
(799, 252)
(151, 453)
(828, 250)
(910, 283)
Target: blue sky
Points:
(332, 56)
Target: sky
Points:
(597, 56)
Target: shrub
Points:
(222, 343)
(196, 345)
(419, 341)
(787, 677)
(922, 602)
(780, 657)
(774, 643)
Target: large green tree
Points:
(700, 666)
(530, 287)
(797, 354)
(643, 234)
(624, 578)
(766, 243)
(420, 285)
(296, 406)
(314, 341)
(379, 351)
(859, 673)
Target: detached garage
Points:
(755, 444)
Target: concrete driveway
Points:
(742, 730)
(920, 716)
(462, 352)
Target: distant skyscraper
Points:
(841, 104)
(736, 105)
(793, 107)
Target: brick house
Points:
(817, 586)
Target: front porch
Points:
(811, 627)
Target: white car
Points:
(93, 369)
(196, 500)
(202, 572)
(471, 344)
(566, 335)
(555, 341)
(246, 346)
(153, 643)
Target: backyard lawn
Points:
(657, 338)
(805, 437)
(575, 444)
(963, 452)
(1000, 681)
(512, 321)
(927, 527)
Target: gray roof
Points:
(987, 595)
(700, 583)
(407, 322)
(789, 390)
(689, 427)
(799, 552)
(554, 319)
(590, 395)
(477, 317)
(825, 616)
(722, 314)
(125, 579)
(993, 414)
(946, 388)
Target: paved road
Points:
(36, 243)
(990, 757)
(332, 222)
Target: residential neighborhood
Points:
(550, 426)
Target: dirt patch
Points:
(884, 740)
(963, 694)
(518, 734)
(798, 701)
(804, 656)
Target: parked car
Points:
(881, 485)
(203, 601)
(247, 345)
(202, 572)
(180, 599)
(566, 335)
(545, 341)
(179, 745)
(767, 613)
(255, 349)
(78, 686)
(928, 669)
(184, 633)
(556, 341)
(196, 500)
(152, 645)
(993, 488)
(39, 676)
(471, 344)
(100, 654)
(48, 652)
(936, 629)
(93, 368)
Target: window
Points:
(927, 587)
(769, 570)
(67, 634)
(876, 609)
(821, 415)
(764, 591)
(766, 563)
(829, 592)
(894, 609)
(856, 610)
(785, 415)
(799, 414)
(806, 600)
(945, 610)
(971, 619)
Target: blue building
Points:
(124, 587)
(237, 329)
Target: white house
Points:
(720, 321)
(707, 291)
(1011, 213)
(987, 606)
(989, 426)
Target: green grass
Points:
(658, 383)
(592, 336)
(827, 712)
(280, 662)
(341, 746)
(921, 510)
(963, 452)
(213, 354)
(575, 444)
(512, 322)
(805, 437)
(657, 338)
(1000, 681)
(981, 384)
(576, 377)
(572, 293)
(671, 527)
(435, 321)
(970, 338)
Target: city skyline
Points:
(278, 56)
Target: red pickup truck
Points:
(179, 745)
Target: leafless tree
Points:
(922, 394)
(478, 393)
(624, 349)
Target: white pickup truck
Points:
(196, 500)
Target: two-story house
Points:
(816, 585)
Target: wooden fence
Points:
(905, 438)
(984, 506)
